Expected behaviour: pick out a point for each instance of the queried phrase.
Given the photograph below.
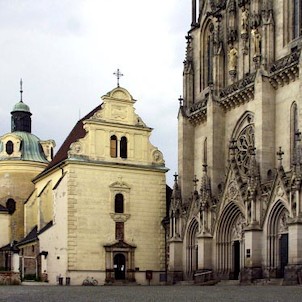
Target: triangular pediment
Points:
(234, 189)
(279, 188)
(121, 244)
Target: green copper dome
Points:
(21, 107)
(31, 148)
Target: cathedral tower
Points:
(240, 117)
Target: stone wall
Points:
(9, 278)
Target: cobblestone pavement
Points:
(151, 293)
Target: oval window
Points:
(9, 147)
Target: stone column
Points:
(175, 260)
(252, 256)
(293, 271)
(205, 251)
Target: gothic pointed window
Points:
(297, 18)
(293, 130)
(113, 146)
(119, 203)
(207, 57)
(9, 147)
(123, 147)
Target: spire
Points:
(21, 115)
(21, 90)
(176, 190)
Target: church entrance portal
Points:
(236, 253)
(119, 266)
(283, 253)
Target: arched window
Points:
(297, 18)
(123, 149)
(11, 205)
(113, 146)
(207, 56)
(9, 147)
(119, 203)
(293, 130)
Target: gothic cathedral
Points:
(236, 208)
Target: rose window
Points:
(245, 146)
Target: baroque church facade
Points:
(236, 207)
(94, 209)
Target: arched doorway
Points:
(230, 241)
(277, 256)
(192, 248)
(119, 266)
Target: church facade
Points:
(236, 208)
(97, 209)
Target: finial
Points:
(21, 90)
(280, 153)
(195, 180)
(175, 177)
(298, 135)
(180, 99)
(118, 74)
(188, 38)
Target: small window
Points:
(11, 205)
(113, 146)
(51, 153)
(9, 147)
(119, 203)
(123, 147)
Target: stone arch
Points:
(276, 231)
(206, 54)
(293, 130)
(192, 248)
(244, 136)
(229, 229)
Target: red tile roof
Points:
(76, 133)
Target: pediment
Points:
(121, 244)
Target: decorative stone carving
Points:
(233, 57)
(237, 231)
(157, 157)
(245, 143)
(76, 149)
(98, 115)
(283, 227)
(244, 22)
(119, 112)
(256, 35)
(120, 217)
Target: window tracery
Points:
(245, 144)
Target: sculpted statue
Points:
(257, 42)
(233, 56)
(244, 21)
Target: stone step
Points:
(184, 283)
(228, 283)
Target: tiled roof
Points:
(30, 237)
(76, 133)
(3, 209)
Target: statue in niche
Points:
(244, 21)
(257, 42)
(233, 56)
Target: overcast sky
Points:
(67, 50)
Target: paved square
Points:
(151, 293)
